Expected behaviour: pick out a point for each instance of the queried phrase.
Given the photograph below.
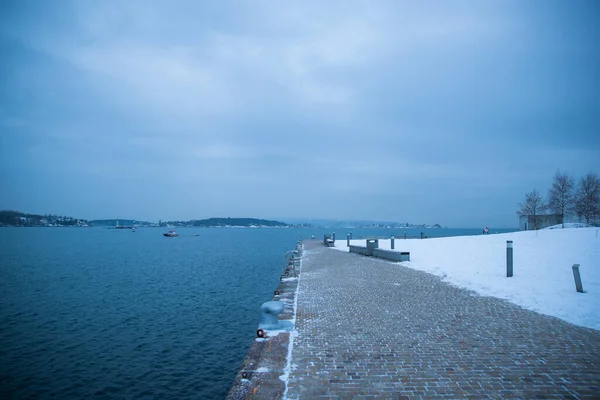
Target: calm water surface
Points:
(105, 313)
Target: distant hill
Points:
(330, 223)
(227, 222)
(237, 222)
(17, 218)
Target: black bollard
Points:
(577, 277)
(509, 258)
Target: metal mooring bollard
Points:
(268, 315)
(392, 242)
(333, 236)
(509, 258)
(577, 277)
(347, 240)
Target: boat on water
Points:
(171, 233)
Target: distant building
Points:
(531, 223)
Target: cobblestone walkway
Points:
(374, 329)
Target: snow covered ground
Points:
(543, 276)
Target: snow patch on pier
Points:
(285, 377)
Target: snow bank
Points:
(543, 276)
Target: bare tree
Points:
(587, 198)
(560, 195)
(533, 205)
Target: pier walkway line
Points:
(375, 329)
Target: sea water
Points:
(108, 313)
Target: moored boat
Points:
(171, 233)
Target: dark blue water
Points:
(104, 313)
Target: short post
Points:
(347, 240)
(509, 258)
(577, 277)
(392, 242)
(333, 237)
(404, 235)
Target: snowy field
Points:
(543, 276)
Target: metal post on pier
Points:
(347, 240)
(333, 237)
(392, 242)
(509, 258)
(577, 277)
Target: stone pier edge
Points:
(266, 363)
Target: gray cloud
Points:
(430, 112)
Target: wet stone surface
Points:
(369, 328)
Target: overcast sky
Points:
(424, 112)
